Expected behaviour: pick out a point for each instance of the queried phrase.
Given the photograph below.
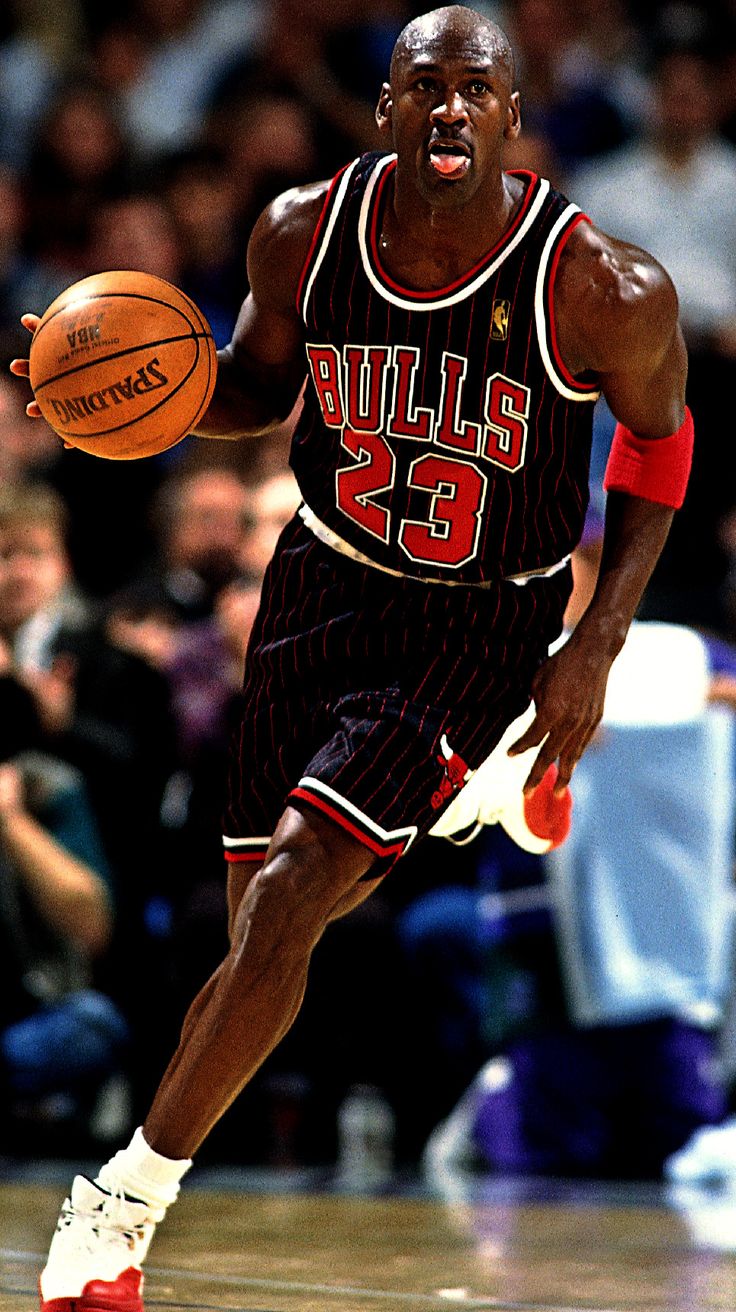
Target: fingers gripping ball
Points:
(123, 365)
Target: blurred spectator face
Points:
(542, 30)
(82, 135)
(163, 18)
(203, 203)
(272, 506)
(135, 233)
(25, 444)
(119, 52)
(207, 527)
(274, 137)
(33, 570)
(685, 107)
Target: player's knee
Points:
(290, 901)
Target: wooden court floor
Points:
(511, 1249)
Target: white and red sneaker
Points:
(94, 1263)
(539, 821)
(494, 794)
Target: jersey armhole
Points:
(570, 386)
(321, 235)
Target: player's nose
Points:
(451, 109)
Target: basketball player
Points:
(455, 325)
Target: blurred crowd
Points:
(148, 134)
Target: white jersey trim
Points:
(235, 844)
(543, 326)
(442, 302)
(333, 540)
(385, 837)
(328, 231)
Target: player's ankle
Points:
(144, 1175)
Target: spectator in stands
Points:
(38, 595)
(162, 79)
(79, 159)
(60, 1038)
(105, 711)
(671, 192)
(29, 450)
(303, 56)
(205, 197)
(565, 97)
(271, 505)
(28, 76)
(135, 231)
(200, 517)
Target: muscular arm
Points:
(262, 369)
(629, 334)
(616, 312)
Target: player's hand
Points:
(21, 367)
(569, 692)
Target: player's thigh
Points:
(310, 875)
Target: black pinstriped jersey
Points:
(441, 435)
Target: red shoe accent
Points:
(121, 1295)
(546, 815)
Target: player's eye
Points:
(425, 84)
(478, 87)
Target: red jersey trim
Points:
(438, 292)
(318, 230)
(245, 849)
(554, 347)
(345, 814)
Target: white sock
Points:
(144, 1175)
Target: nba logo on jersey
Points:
(500, 321)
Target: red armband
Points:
(656, 468)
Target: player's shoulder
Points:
(290, 219)
(281, 238)
(613, 291)
(613, 278)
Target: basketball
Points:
(123, 365)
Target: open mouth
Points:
(451, 159)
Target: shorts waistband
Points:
(333, 539)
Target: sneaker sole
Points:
(121, 1295)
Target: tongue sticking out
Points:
(449, 164)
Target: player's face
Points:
(449, 109)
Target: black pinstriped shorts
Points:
(352, 679)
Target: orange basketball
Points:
(123, 365)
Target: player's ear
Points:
(513, 117)
(384, 109)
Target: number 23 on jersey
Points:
(368, 394)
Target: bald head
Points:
(454, 28)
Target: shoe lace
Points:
(108, 1220)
